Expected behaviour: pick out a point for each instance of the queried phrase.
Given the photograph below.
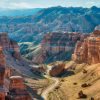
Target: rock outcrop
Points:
(9, 45)
(56, 69)
(88, 51)
(18, 89)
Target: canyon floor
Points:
(66, 86)
(72, 82)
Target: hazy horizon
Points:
(26, 4)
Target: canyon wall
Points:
(9, 45)
(56, 45)
(88, 51)
(11, 87)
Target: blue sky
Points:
(24, 4)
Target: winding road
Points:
(50, 88)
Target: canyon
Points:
(56, 45)
(80, 76)
(50, 54)
(15, 73)
(15, 70)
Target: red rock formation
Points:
(15, 48)
(15, 85)
(8, 70)
(9, 45)
(18, 89)
(89, 50)
(2, 57)
(17, 82)
(56, 69)
(2, 94)
(4, 41)
(55, 43)
(2, 89)
(2, 75)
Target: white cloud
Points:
(20, 4)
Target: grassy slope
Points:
(68, 90)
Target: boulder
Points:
(56, 69)
(82, 95)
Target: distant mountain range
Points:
(33, 27)
(18, 12)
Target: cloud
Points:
(20, 4)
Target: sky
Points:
(27, 4)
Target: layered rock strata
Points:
(9, 45)
(18, 89)
(56, 45)
(11, 88)
(88, 51)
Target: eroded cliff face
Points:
(88, 51)
(2, 57)
(11, 87)
(56, 45)
(9, 45)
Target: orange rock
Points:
(9, 45)
(17, 82)
(18, 89)
(89, 50)
(56, 69)
(2, 57)
(16, 49)
(56, 42)
(2, 95)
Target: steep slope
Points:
(13, 58)
(28, 50)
